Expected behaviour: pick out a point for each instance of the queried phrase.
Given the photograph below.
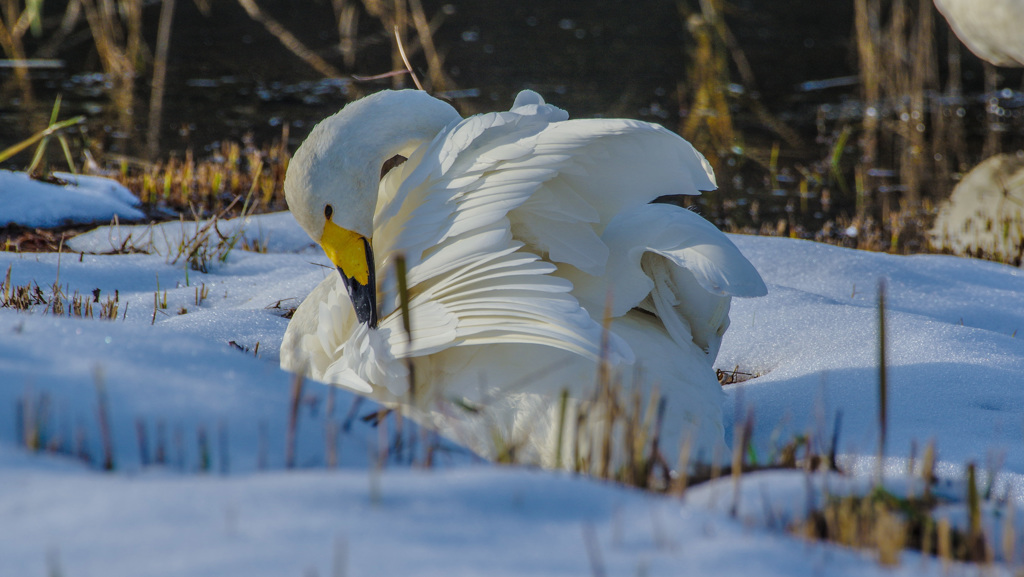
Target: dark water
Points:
(228, 77)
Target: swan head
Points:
(332, 180)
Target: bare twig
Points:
(293, 421)
(405, 59)
(104, 420)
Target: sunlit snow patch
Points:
(28, 202)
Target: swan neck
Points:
(340, 162)
(396, 122)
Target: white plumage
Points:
(518, 229)
(990, 28)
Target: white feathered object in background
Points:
(519, 230)
(990, 28)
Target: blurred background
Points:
(846, 121)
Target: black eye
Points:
(328, 211)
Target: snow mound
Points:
(955, 354)
(274, 232)
(27, 202)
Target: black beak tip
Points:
(364, 299)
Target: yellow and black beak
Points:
(353, 255)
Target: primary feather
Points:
(520, 231)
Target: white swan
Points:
(517, 228)
(990, 28)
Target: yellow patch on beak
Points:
(347, 250)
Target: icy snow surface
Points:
(956, 375)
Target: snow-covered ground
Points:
(223, 502)
(69, 199)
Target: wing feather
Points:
(680, 267)
(496, 214)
